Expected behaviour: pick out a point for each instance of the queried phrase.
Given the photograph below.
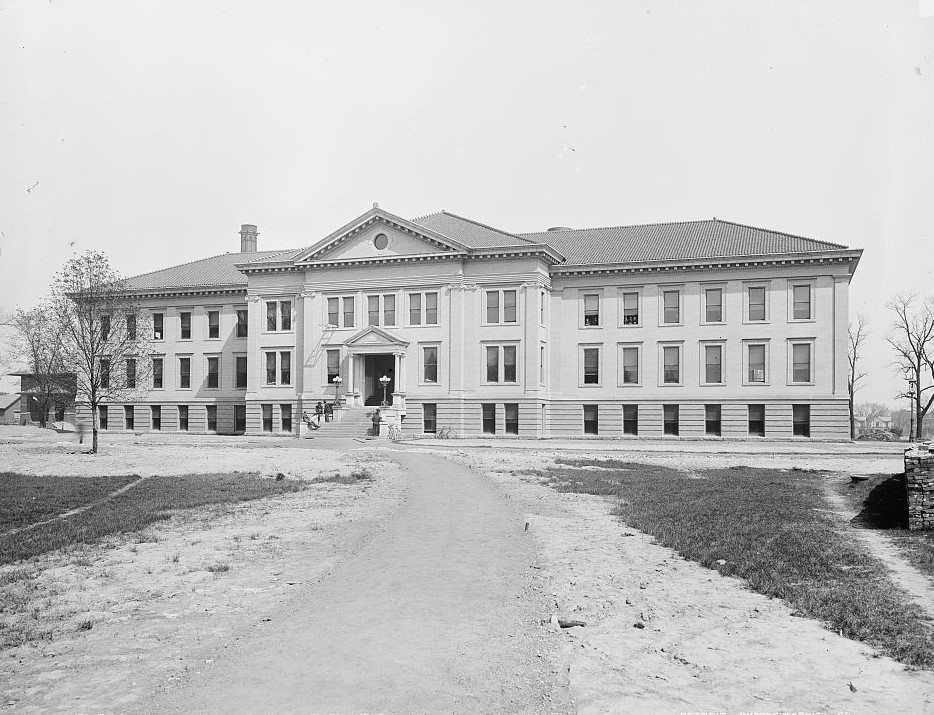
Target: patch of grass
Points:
(768, 528)
(152, 500)
(27, 500)
(357, 475)
(218, 568)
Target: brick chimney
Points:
(248, 236)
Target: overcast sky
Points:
(152, 130)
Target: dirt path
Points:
(438, 613)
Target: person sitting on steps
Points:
(328, 412)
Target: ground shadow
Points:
(885, 505)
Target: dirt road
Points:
(440, 612)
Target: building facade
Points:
(694, 329)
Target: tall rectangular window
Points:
(757, 420)
(212, 418)
(105, 327)
(242, 323)
(348, 306)
(591, 419)
(756, 363)
(213, 372)
(510, 314)
(492, 306)
(183, 418)
(509, 363)
(430, 363)
(158, 327)
(591, 366)
(512, 418)
(131, 373)
(671, 355)
(713, 364)
(184, 373)
(801, 420)
(334, 364)
(541, 364)
(102, 417)
(129, 418)
(157, 368)
(802, 302)
(714, 305)
(104, 380)
(285, 416)
(429, 417)
(184, 320)
(672, 305)
(431, 308)
(492, 363)
(131, 327)
(591, 309)
(801, 362)
(756, 303)
(285, 368)
(631, 419)
(630, 308)
(240, 418)
(285, 315)
(156, 415)
(270, 368)
(214, 324)
(630, 366)
(240, 364)
(389, 310)
(372, 310)
(334, 306)
(671, 419)
(712, 420)
(267, 418)
(489, 418)
(542, 302)
(415, 308)
(270, 315)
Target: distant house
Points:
(9, 409)
(63, 399)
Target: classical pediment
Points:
(379, 234)
(375, 339)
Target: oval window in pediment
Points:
(380, 241)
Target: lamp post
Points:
(911, 410)
(338, 381)
(384, 381)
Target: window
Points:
(285, 367)
(348, 311)
(279, 315)
(430, 364)
(157, 363)
(671, 355)
(670, 419)
(213, 372)
(541, 364)
(672, 306)
(431, 308)
(105, 327)
(713, 308)
(757, 420)
(212, 418)
(334, 312)
(631, 308)
(429, 417)
(423, 308)
(501, 306)
(242, 323)
(270, 368)
(239, 418)
(591, 366)
(801, 296)
(104, 373)
(184, 320)
(389, 310)
(756, 298)
(801, 420)
(334, 364)
(501, 361)
(712, 420)
(131, 327)
(591, 419)
(214, 324)
(129, 421)
(713, 364)
(801, 362)
(756, 360)
(131, 373)
(630, 364)
(156, 414)
(271, 314)
(184, 373)
(285, 415)
(102, 417)
(372, 310)
(512, 418)
(591, 309)
(489, 418)
(285, 315)
(341, 312)
(183, 418)
(158, 331)
(631, 419)
(240, 367)
(267, 418)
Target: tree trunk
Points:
(94, 439)
(852, 418)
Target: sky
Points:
(152, 130)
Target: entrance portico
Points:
(374, 353)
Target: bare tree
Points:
(103, 333)
(857, 333)
(37, 342)
(912, 337)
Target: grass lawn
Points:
(768, 528)
(27, 500)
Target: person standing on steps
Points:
(319, 410)
(328, 412)
(376, 421)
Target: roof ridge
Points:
(201, 260)
(484, 225)
(781, 233)
(625, 225)
(433, 213)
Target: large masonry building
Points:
(694, 329)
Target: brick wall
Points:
(919, 482)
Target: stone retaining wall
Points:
(919, 482)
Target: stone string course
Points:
(919, 482)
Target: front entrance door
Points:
(375, 367)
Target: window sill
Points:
(746, 321)
(800, 384)
(631, 325)
(499, 325)
(802, 320)
(671, 325)
(713, 322)
(756, 384)
(671, 384)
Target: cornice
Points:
(187, 292)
